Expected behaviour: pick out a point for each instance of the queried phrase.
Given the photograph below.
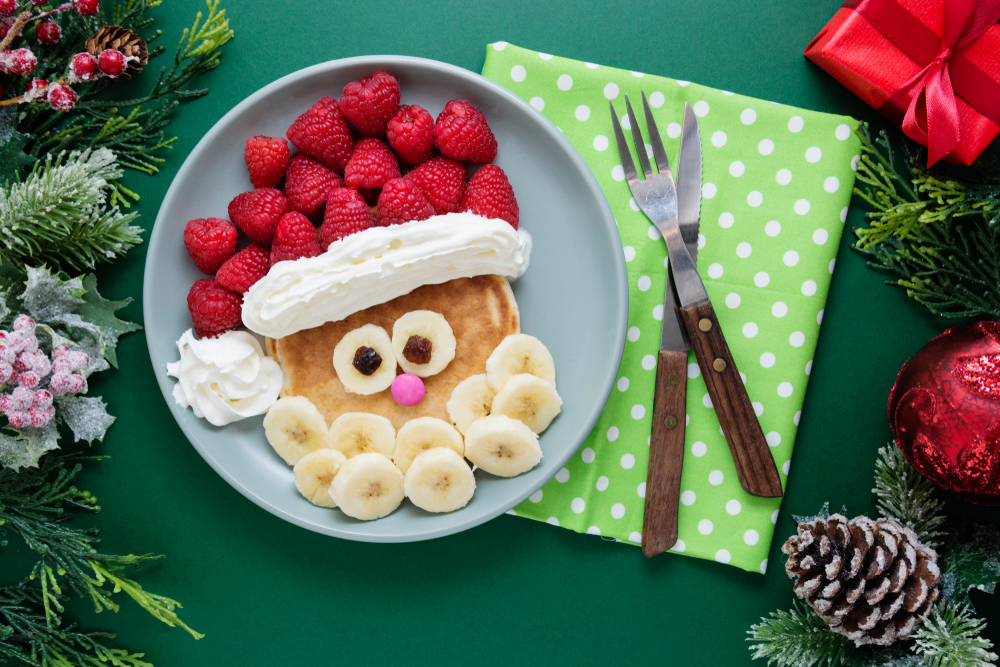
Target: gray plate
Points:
(574, 296)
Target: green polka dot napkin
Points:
(777, 182)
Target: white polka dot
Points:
(786, 466)
(578, 506)
(748, 116)
(517, 73)
(733, 300)
(809, 287)
(785, 389)
(797, 339)
(733, 507)
(500, 46)
(701, 108)
(699, 449)
(755, 199)
(611, 91)
(694, 370)
(751, 537)
(626, 123)
(593, 530)
(705, 526)
(843, 214)
(552, 521)
(681, 82)
(726, 220)
(678, 547)
(779, 309)
(749, 329)
(536, 497)
(658, 312)
(688, 498)
(649, 362)
(737, 168)
(592, 65)
(644, 283)
(635, 537)
(587, 455)
(784, 177)
(562, 476)
(795, 123)
(791, 258)
(715, 271)
(743, 250)
(744, 378)
(761, 279)
(539, 104)
(674, 130)
(602, 483)
(629, 253)
(833, 263)
(716, 477)
(656, 100)
(565, 82)
(719, 138)
(772, 228)
(758, 408)
(622, 384)
(831, 184)
(708, 190)
(809, 367)
(618, 173)
(612, 434)
(641, 490)
(842, 132)
(545, 56)
(765, 147)
(763, 566)
(628, 462)
(774, 516)
(653, 233)
(633, 334)
(767, 360)
(819, 317)
(854, 162)
(701, 241)
(706, 400)
(813, 154)
(638, 412)
(617, 510)
(820, 236)
(582, 112)
(638, 75)
(802, 206)
(773, 438)
(722, 556)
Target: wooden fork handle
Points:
(754, 464)
(666, 453)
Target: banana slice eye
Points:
(364, 360)
(423, 342)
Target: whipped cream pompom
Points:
(224, 379)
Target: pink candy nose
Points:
(407, 389)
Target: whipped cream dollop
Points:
(226, 378)
(380, 264)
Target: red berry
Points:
(61, 97)
(371, 165)
(86, 7)
(323, 133)
(490, 195)
(411, 134)
(19, 62)
(461, 133)
(401, 201)
(294, 238)
(36, 90)
(8, 7)
(308, 183)
(257, 213)
(83, 67)
(442, 180)
(245, 268)
(38, 3)
(369, 103)
(209, 243)
(214, 309)
(266, 158)
(19, 419)
(48, 32)
(346, 213)
(111, 62)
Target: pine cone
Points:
(124, 40)
(868, 580)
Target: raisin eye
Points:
(367, 360)
(417, 350)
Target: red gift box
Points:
(930, 66)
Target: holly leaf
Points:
(88, 418)
(100, 312)
(12, 156)
(970, 560)
(49, 298)
(29, 446)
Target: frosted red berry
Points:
(461, 133)
(38, 3)
(294, 238)
(244, 269)
(371, 165)
(8, 7)
(490, 195)
(48, 32)
(209, 242)
(61, 97)
(36, 90)
(442, 180)
(266, 159)
(83, 67)
(401, 201)
(214, 310)
(308, 184)
(86, 7)
(19, 62)
(410, 132)
(111, 62)
(369, 103)
(346, 213)
(19, 419)
(257, 213)
(324, 133)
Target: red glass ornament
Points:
(945, 411)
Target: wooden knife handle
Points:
(754, 463)
(666, 453)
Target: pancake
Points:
(480, 310)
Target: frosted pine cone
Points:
(868, 580)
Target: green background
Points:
(511, 591)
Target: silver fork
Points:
(656, 195)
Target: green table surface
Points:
(511, 591)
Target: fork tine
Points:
(640, 145)
(626, 157)
(659, 154)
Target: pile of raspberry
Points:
(362, 161)
(24, 369)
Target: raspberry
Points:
(214, 309)
(209, 242)
(371, 165)
(48, 32)
(266, 158)
(19, 62)
(19, 419)
(111, 62)
(411, 134)
(346, 214)
(323, 133)
(294, 238)
(61, 97)
(369, 103)
(442, 180)
(490, 195)
(245, 268)
(257, 213)
(401, 201)
(86, 7)
(461, 133)
(308, 184)
(8, 7)
(83, 67)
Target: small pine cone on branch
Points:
(871, 581)
(121, 39)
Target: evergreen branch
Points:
(907, 496)
(797, 638)
(951, 638)
(162, 608)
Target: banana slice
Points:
(517, 354)
(315, 472)
(423, 433)
(294, 427)
(470, 400)
(354, 433)
(423, 342)
(502, 446)
(364, 360)
(367, 487)
(439, 480)
(529, 400)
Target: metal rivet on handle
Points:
(719, 365)
(705, 324)
(670, 421)
(674, 378)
